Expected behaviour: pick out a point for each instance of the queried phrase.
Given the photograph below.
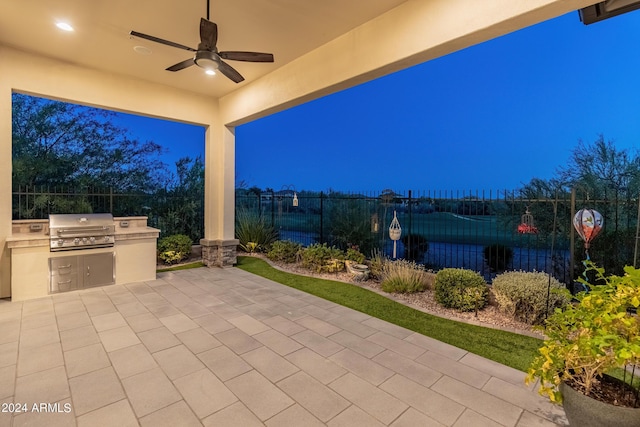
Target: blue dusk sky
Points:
(490, 117)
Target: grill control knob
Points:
(84, 240)
(76, 241)
(60, 242)
(92, 239)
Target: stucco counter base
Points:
(135, 257)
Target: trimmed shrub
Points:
(322, 258)
(464, 290)
(404, 277)
(175, 248)
(284, 251)
(523, 295)
(253, 232)
(498, 257)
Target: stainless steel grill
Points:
(80, 231)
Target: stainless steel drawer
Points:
(64, 265)
(63, 283)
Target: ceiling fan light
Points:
(206, 60)
(210, 72)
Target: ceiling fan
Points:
(207, 55)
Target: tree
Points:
(57, 143)
(605, 178)
(602, 169)
(183, 208)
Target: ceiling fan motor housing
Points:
(207, 60)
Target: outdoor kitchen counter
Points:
(135, 255)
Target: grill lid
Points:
(77, 231)
(80, 221)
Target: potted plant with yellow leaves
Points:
(586, 342)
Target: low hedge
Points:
(464, 290)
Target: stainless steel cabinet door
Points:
(98, 269)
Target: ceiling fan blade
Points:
(247, 56)
(208, 34)
(230, 72)
(161, 41)
(182, 65)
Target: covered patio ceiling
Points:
(101, 40)
(349, 41)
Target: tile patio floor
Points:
(222, 347)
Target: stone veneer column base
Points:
(219, 253)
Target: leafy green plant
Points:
(284, 251)
(586, 340)
(464, 290)
(322, 258)
(523, 295)
(173, 249)
(253, 232)
(354, 255)
(498, 257)
(404, 277)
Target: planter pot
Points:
(360, 271)
(583, 411)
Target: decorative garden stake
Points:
(526, 224)
(395, 231)
(588, 223)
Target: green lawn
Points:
(507, 348)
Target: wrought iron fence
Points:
(483, 230)
(171, 214)
(476, 230)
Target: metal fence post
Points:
(572, 238)
(273, 209)
(321, 217)
(635, 247)
(409, 236)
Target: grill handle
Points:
(88, 229)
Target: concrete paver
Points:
(212, 347)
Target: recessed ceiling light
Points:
(210, 72)
(142, 50)
(64, 26)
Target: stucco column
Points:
(5, 187)
(219, 243)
